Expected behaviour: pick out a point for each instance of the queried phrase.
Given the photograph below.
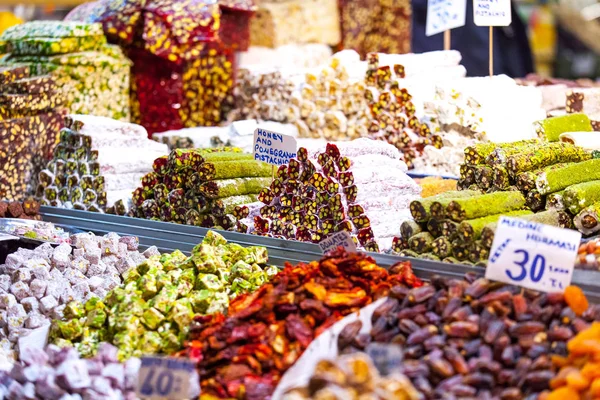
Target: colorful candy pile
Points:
(36, 285)
(93, 165)
(31, 114)
(199, 187)
(358, 186)
(267, 331)
(94, 76)
(352, 375)
(476, 338)
(153, 311)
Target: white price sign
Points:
(273, 148)
(338, 239)
(443, 15)
(167, 378)
(492, 12)
(533, 255)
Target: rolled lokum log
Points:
(421, 242)
(434, 226)
(449, 229)
(545, 155)
(550, 129)
(215, 156)
(484, 176)
(586, 140)
(437, 209)
(460, 250)
(442, 247)
(233, 187)
(501, 179)
(561, 178)
(483, 205)
(554, 201)
(534, 200)
(234, 169)
(525, 181)
(408, 253)
(467, 174)
(501, 154)
(477, 154)
(478, 252)
(409, 228)
(588, 220)
(579, 196)
(420, 209)
(227, 205)
(470, 230)
(451, 260)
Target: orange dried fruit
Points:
(576, 299)
(563, 393)
(591, 370)
(595, 388)
(577, 381)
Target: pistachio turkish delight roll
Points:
(470, 230)
(561, 178)
(460, 250)
(478, 153)
(451, 260)
(234, 169)
(226, 156)
(228, 204)
(449, 229)
(467, 174)
(420, 209)
(525, 181)
(434, 226)
(545, 155)
(441, 247)
(478, 252)
(484, 176)
(501, 154)
(554, 201)
(534, 200)
(409, 253)
(430, 256)
(588, 220)
(421, 242)
(551, 128)
(437, 209)
(233, 187)
(577, 197)
(399, 244)
(44, 46)
(501, 178)
(409, 228)
(483, 205)
(51, 29)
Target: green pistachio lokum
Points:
(554, 201)
(561, 178)
(501, 154)
(49, 29)
(44, 46)
(438, 206)
(478, 252)
(534, 200)
(470, 230)
(577, 197)
(545, 155)
(421, 242)
(420, 209)
(478, 153)
(484, 205)
(442, 247)
(550, 129)
(525, 181)
(501, 179)
(153, 310)
(484, 176)
(588, 220)
(233, 187)
(434, 226)
(234, 169)
(227, 205)
(409, 228)
(226, 156)
(460, 250)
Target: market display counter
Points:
(168, 237)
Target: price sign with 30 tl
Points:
(533, 255)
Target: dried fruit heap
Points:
(182, 53)
(152, 312)
(476, 338)
(359, 187)
(30, 117)
(93, 165)
(351, 375)
(200, 187)
(245, 355)
(93, 76)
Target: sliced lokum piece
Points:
(421, 242)
(588, 220)
(554, 201)
(442, 247)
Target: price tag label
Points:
(386, 357)
(273, 148)
(492, 12)
(338, 239)
(443, 15)
(533, 255)
(167, 378)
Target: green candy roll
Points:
(545, 155)
(442, 247)
(525, 181)
(477, 154)
(409, 228)
(582, 195)
(470, 230)
(421, 242)
(483, 205)
(561, 178)
(438, 205)
(51, 29)
(551, 128)
(218, 189)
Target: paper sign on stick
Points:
(443, 15)
(533, 255)
(492, 12)
(332, 242)
(273, 148)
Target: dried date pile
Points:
(475, 338)
(245, 354)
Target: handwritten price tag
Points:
(386, 357)
(443, 15)
(492, 12)
(167, 378)
(273, 148)
(533, 255)
(338, 239)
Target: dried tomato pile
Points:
(183, 54)
(245, 354)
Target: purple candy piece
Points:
(107, 353)
(31, 356)
(46, 388)
(115, 373)
(73, 374)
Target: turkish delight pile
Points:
(28, 209)
(309, 55)
(36, 285)
(31, 112)
(94, 165)
(359, 186)
(56, 373)
(198, 187)
(93, 75)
